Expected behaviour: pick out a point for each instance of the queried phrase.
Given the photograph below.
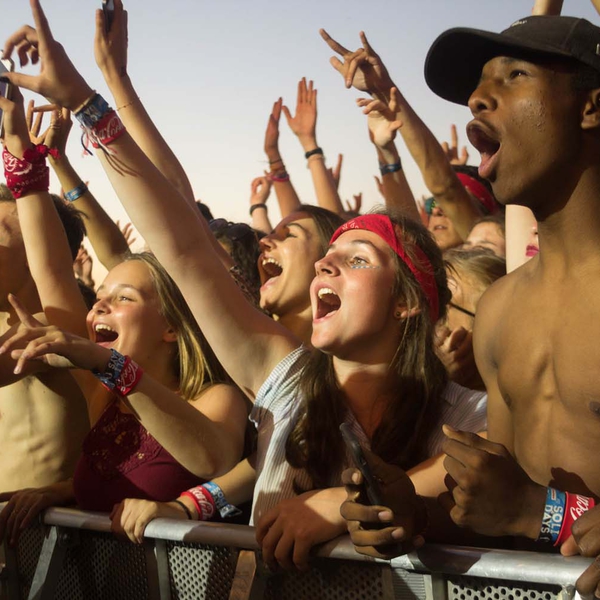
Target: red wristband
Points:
(30, 173)
(203, 501)
(107, 130)
(575, 507)
(129, 377)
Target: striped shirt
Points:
(275, 413)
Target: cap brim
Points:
(455, 60)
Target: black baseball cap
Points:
(455, 60)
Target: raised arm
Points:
(365, 71)
(552, 7)
(304, 126)
(49, 257)
(106, 238)
(260, 190)
(383, 126)
(248, 343)
(284, 190)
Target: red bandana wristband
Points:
(203, 501)
(384, 228)
(575, 507)
(30, 173)
(129, 377)
(479, 191)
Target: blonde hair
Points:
(194, 364)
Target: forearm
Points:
(51, 263)
(437, 172)
(552, 7)
(397, 192)
(260, 219)
(147, 136)
(238, 484)
(287, 197)
(325, 190)
(106, 238)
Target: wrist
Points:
(79, 97)
(188, 504)
(308, 143)
(533, 502)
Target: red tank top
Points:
(120, 459)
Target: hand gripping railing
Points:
(72, 554)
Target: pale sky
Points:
(208, 72)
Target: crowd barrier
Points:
(71, 555)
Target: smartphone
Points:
(6, 65)
(358, 456)
(108, 8)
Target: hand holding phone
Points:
(108, 8)
(360, 461)
(6, 65)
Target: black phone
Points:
(108, 7)
(358, 456)
(6, 65)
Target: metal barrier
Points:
(73, 556)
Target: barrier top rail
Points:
(451, 560)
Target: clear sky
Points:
(208, 71)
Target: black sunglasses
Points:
(461, 309)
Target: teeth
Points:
(103, 327)
(271, 261)
(324, 292)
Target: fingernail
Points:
(2, 350)
(385, 515)
(398, 534)
(17, 370)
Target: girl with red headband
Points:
(376, 297)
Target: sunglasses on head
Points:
(234, 231)
(430, 205)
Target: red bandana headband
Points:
(479, 191)
(382, 226)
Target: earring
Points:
(398, 314)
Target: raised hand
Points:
(489, 491)
(382, 118)
(355, 208)
(16, 132)
(336, 172)
(261, 188)
(272, 132)
(130, 518)
(51, 345)
(362, 69)
(110, 47)
(383, 531)
(451, 149)
(82, 266)
(58, 79)
(304, 122)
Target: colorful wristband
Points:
(279, 177)
(93, 111)
(76, 192)
(203, 501)
(225, 509)
(30, 173)
(310, 153)
(121, 374)
(393, 168)
(554, 513)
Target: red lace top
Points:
(120, 459)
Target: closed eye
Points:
(517, 73)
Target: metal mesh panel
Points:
(331, 580)
(408, 585)
(28, 553)
(200, 571)
(470, 588)
(100, 567)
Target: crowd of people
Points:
(207, 377)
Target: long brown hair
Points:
(417, 375)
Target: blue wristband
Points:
(225, 509)
(385, 169)
(113, 370)
(554, 513)
(76, 192)
(93, 112)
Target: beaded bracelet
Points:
(76, 192)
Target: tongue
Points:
(103, 336)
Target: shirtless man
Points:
(43, 416)
(534, 92)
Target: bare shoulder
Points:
(221, 398)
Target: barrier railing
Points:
(72, 555)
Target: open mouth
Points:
(328, 303)
(104, 334)
(486, 145)
(270, 269)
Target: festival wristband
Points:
(92, 112)
(121, 374)
(554, 512)
(393, 168)
(310, 153)
(575, 507)
(203, 501)
(279, 177)
(100, 123)
(225, 509)
(76, 192)
(255, 206)
(30, 173)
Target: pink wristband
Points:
(203, 501)
(129, 377)
(575, 507)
